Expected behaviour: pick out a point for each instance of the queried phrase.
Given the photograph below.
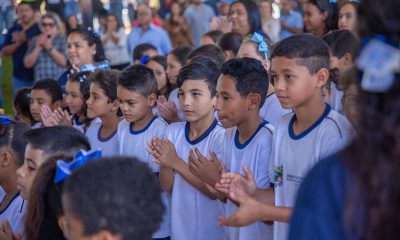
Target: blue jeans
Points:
(6, 20)
(71, 7)
(116, 7)
(20, 83)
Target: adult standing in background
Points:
(147, 32)
(17, 41)
(114, 42)
(178, 27)
(291, 20)
(47, 52)
(199, 16)
(270, 25)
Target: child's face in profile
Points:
(159, 72)
(73, 97)
(98, 103)
(39, 97)
(294, 85)
(134, 105)
(349, 102)
(341, 64)
(173, 67)
(34, 158)
(231, 107)
(195, 100)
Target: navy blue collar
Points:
(202, 136)
(304, 133)
(143, 129)
(101, 139)
(236, 139)
(12, 200)
(77, 122)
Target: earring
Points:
(94, 53)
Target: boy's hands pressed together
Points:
(207, 170)
(164, 153)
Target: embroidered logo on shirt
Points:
(278, 176)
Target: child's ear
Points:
(57, 104)
(104, 235)
(115, 105)
(61, 224)
(214, 101)
(228, 55)
(266, 64)
(255, 100)
(347, 59)
(151, 99)
(322, 77)
(5, 159)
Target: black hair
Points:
(210, 51)
(51, 87)
(140, 49)
(230, 41)
(331, 8)
(203, 69)
(82, 78)
(249, 75)
(348, 78)
(92, 38)
(58, 139)
(32, 4)
(107, 80)
(354, 3)
(308, 51)
(105, 195)
(44, 208)
(138, 78)
(213, 34)
(378, 139)
(160, 60)
(12, 135)
(181, 53)
(112, 14)
(341, 42)
(22, 103)
(253, 15)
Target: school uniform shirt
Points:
(173, 97)
(193, 215)
(14, 212)
(108, 145)
(272, 111)
(254, 154)
(37, 125)
(336, 98)
(293, 155)
(134, 144)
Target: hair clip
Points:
(144, 59)
(93, 33)
(65, 169)
(332, 1)
(81, 78)
(262, 45)
(379, 60)
(5, 120)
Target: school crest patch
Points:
(278, 176)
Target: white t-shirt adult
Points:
(134, 143)
(294, 155)
(108, 145)
(255, 154)
(194, 216)
(117, 53)
(272, 111)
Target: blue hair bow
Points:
(332, 1)
(262, 45)
(5, 120)
(144, 59)
(65, 169)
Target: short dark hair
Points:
(32, 4)
(22, 103)
(140, 49)
(138, 78)
(107, 80)
(105, 195)
(200, 68)
(213, 34)
(308, 51)
(12, 135)
(181, 53)
(58, 139)
(249, 75)
(341, 42)
(230, 41)
(51, 87)
(160, 60)
(211, 51)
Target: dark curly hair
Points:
(92, 38)
(105, 195)
(250, 76)
(373, 158)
